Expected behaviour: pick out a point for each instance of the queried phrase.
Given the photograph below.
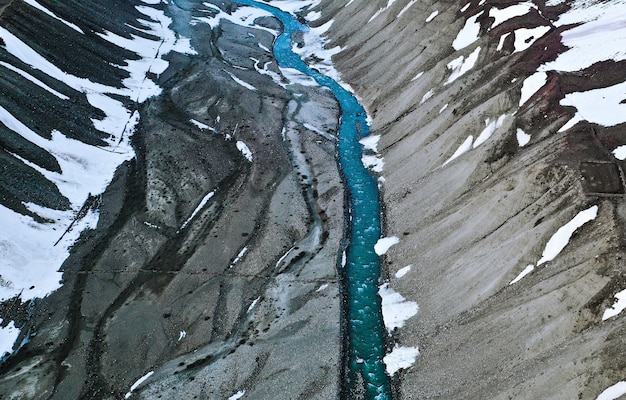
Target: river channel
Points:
(363, 373)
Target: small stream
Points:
(364, 342)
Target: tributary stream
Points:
(364, 331)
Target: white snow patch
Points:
(384, 244)
(468, 34)
(8, 336)
(522, 137)
(237, 395)
(322, 287)
(463, 148)
(409, 4)
(505, 14)
(182, 335)
(618, 307)
(373, 162)
(525, 37)
(531, 85)
(370, 142)
(432, 16)
(241, 82)
(254, 303)
(459, 66)
(427, 96)
(443, 108)
(137, 383)
(403, 271)
(200, 206)
(416, 77)
(396, 309)
(522, 274)
(601, 106)
(465, 7)
(501, 42)
(620, 152)
(613, 392)
(400, 358)
(34, 80)
(38, 6)
(490, 128)
(245, 150)
(561, 238)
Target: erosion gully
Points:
(363, 370)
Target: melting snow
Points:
(8, 336)
(400, 358)
(321, 288)
(396, 309)
(410, 3)
(491, 126)
(237, 395)
(468, 34)
(53, 15)
(403, 271)
(245, 150)
(427, 96)
(522, 137)
(504, 14)
(384, 244)
(613, 392)
(522, 274)
(182, 335)
(531, 85)
(620, 152)
(618, 307)
(240, 82)
(371, 142)
(524, 37)
(137, 383)
(432, 16)
(463, 148)
(561, 238)
(200, 206)
(461, 65)
(34, 80)
(601, 106)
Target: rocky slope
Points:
(208, 266)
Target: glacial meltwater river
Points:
(365, 332)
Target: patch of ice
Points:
(468, 34)
(459, 66)
(239, 257)
(522, 137)
(443, 108)
(613, 392)
(416, 77)
(403, 271)
(400, 358)
(618, 307)
(241, 82)
(182, 335)
(561, 238)
(384, 244)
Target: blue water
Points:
(365, 330)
